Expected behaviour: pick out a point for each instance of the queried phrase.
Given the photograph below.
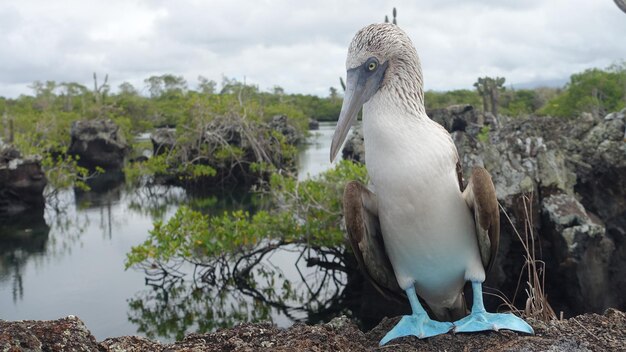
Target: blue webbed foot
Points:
(480, 320)
(417, 324)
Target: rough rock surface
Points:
(589, 332)
(567, 176)
(66, 334)
(582, 251)
(314, 125)
(354, 149)
(98, 143)
(279, 123)
(460, 117)
(22, 182)
(163, 140)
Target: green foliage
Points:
(303, 212)
(439, 100)
(483, 135)
(40, 123)
(180, 308)
(46, 137)
(594, 90)
(520, 102)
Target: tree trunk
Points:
(495, 96)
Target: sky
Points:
(300, 46)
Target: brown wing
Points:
(480, 196)
(361, 215)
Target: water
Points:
(73, 262)
(314, 156)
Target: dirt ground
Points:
(589, 332)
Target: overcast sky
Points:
(300, 46)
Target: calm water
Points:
(71, 261)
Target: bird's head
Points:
(380, 57)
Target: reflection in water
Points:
(21, 237)
(156, 201)
(105, 191)
(284, 283)
(69, 260)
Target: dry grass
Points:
(533, 271)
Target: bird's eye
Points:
(372, 66)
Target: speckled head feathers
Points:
(384, 40)
(388, 43)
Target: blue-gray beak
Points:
(361, 84)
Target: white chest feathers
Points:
(427, 227)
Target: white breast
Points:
(427, 227)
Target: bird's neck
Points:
(401, 140)
(403, 84)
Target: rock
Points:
(314, 125)
(66, 334)
(354, 149)
(616, 115)
(582, 252)
(600, 167)
(163, 140)
(139, 159)
(98, 143)
(455, 117)
(545, 156)
(280, 123)
(553, 175)
(232, 146)
(491, 120)
(589, 332)
(220, 131)
(129, 344)
(22, 182)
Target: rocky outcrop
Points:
(280, 124)
(582, 252)
(456, 117)
(589, 332)
(568, 178)
(163, 140)
(354, 149)
(67, 334)
(231, 146)
(98, 143)
(22, 182)
(314, 125)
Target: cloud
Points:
(299, 46)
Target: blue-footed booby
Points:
(418, 223)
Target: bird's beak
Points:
(353, 100)
(360, 87)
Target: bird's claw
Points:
(419, 325)
(483, 321)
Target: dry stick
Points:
(537, 305)
(587, 331)
(538, 288)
